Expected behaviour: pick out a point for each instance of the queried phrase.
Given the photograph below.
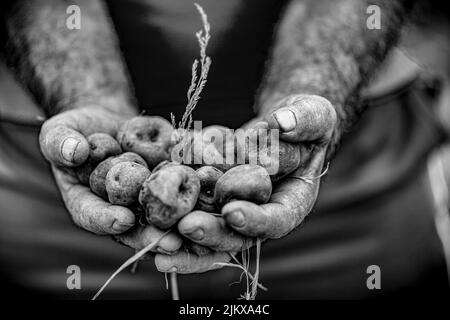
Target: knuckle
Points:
(325, 112)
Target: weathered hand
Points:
(63, 143)
(308, 121)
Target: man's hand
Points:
(63, 143)
(307, 121)
(80, 78)
(318, 52)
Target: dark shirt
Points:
(159, 44)
(374, 205)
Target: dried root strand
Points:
(129, 262)
(252, 280)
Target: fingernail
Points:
(236, 218)
(197, 234)
(68, 148)
(286, 120)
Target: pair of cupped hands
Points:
(307, 121)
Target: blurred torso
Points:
(373, 207)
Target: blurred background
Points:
(385, 201)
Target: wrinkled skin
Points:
(148, 136)
(124, 181)
(244, 182)
(97, 180)
(63, 142)
(208, 176)
(197, 249)
(101, 146)
(140, 236)
(169, 194)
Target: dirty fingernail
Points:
(68, 148)
(286, 120)
(236, 218)
(196, 234)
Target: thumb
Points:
(304, 118)
(63, 146)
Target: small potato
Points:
(208, 176)
(169, 194)
(124, 181)
(97, 180)
(287, 160)
(101, 146)
(150, 137)
(245, 182)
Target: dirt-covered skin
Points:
(101, 146)
(148, 136)
(198, 249)
(208, 176)
(169, 194)
(97, 180)
(140, 236)
(245, 182)
(124, 181)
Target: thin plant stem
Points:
(310, 180)
(250, 275)
(130, 261)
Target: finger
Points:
(141, 236)
(290, 203)
(64, 146)
(90, 212)
(255, 123)
(198, 249)
(62, 137)
(304, 118)
(185, 262)
(210, 231)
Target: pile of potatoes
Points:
(134, 169)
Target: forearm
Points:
(66, 69)
(325, 48)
